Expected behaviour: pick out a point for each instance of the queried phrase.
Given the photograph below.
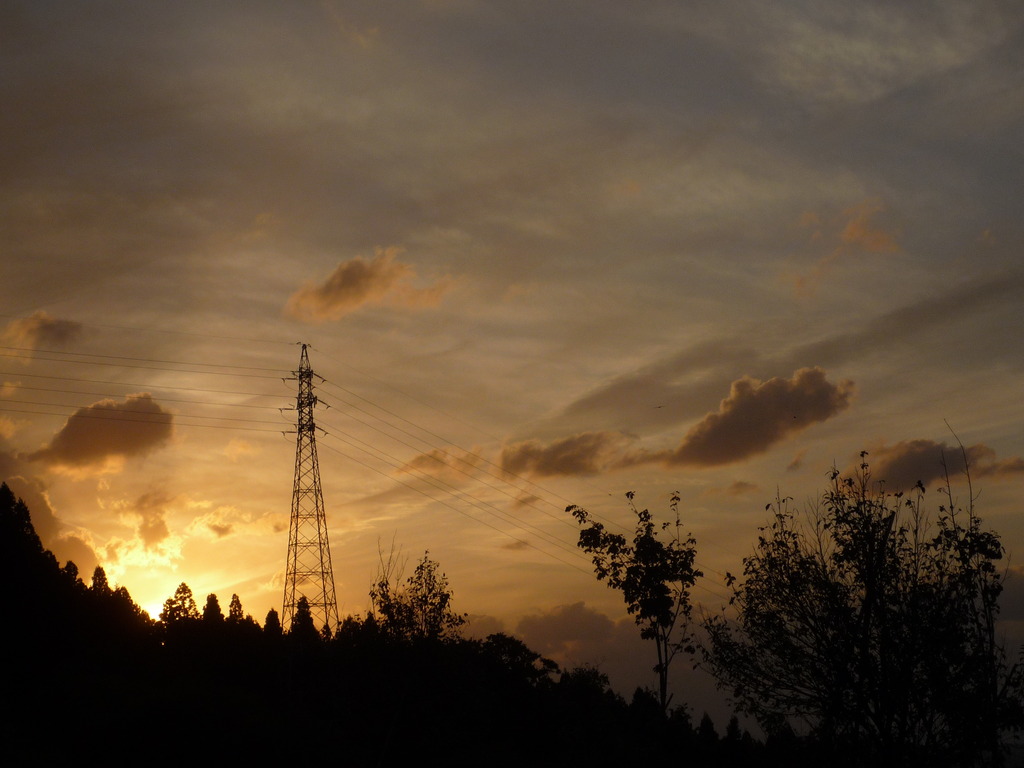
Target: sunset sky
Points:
(544, 253)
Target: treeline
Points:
(88, 674)
(865, 623)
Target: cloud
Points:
(449, 464)
(8, 427)
(669, 391)
(236, 449)
(798, 462)
(584, 454)
(227, 520)
(902, 465)
(575, 635)
(756, 415)
(41, 330)
(736, 488)
(479, 626)
(65, 544)
(858, 234)
(99, 437)
(359, 282)
(150, 510)
(861, 233)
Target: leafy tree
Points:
(655, 577)
(874, 628)
(516, 657)
(421, 608)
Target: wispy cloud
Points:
(857, 233)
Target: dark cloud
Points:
(450, 464)
(575, 635)
(569, 634)
(797, 463)
(108, 429)
(357, 282)
(687, 383)
(479, 626)
(41, 330)
(902, 465)
(584, 454)
(219, 530)
(1011, 601)
(664, 393)
(151, 510)
(756, 415)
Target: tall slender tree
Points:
(655, 577)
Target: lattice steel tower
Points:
(308, 570)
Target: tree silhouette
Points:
(654, 576)
(212, 614)
(272, 624)
(181, 607)
(421, 608)
(99, 581)
(303, 628)
(235, 613)
(872, 627)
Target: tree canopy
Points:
(418, 609)
(873, 627)
(654, 575)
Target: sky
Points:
(543, 253)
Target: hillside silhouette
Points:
(90, 676)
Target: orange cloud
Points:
(902, 465)
(41, 330)
(100, 436)
(858, 234)
(358, 282)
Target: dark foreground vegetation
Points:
(870, 640)
(88, 676)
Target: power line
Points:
(146, 367)
(470, 459)
(22, 374)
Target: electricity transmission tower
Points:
(308, 570)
